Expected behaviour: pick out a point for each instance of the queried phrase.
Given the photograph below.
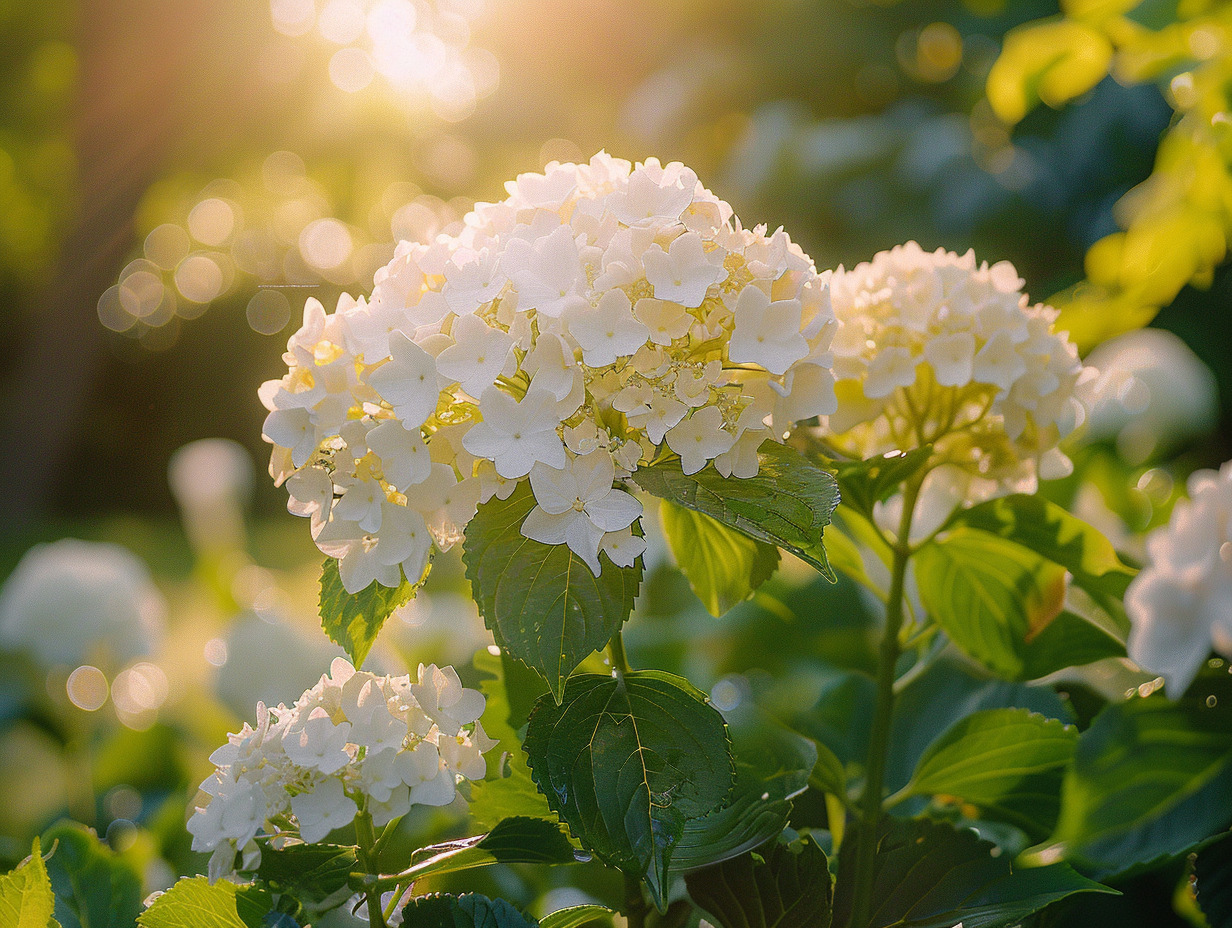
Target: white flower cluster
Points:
(354, 740)
(1180, 604)
(933, 349)
(570, 330)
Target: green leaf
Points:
(353, 620)
(723, 566)
(1069, 640)
(94, 887)
(513, 841)
(786, 886)
(1007, 762)
(1150, 778)
(576, 916)
(866, 483)
(772, 766)
(828, 773)
(194, 903)
(26, 900)
(626, 761)
(990, 595)
(931, 875)
(789, 503)
(1050, 531)
(468, 911)
(310, 872)
(949, 690)
(1213, 882)
(541, 602)
(508, 790)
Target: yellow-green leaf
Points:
(26, 900)
(722, 565)
(1052, 61)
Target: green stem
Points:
(394, 899)
(879, 737)
(383, 838)
(616, 651)
(365, 836)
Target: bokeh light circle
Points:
(351, 69)
(212, 221)
(87, 688)
(325, 243)
(268, 311)
(111, 312)
(167, 245)
(199, 278)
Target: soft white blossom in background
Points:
(1153, 393)
(1180, 604)
(266, 658)
(935, 349)
(70, 601)
(211, 480)
(563, 337)
(354, 741)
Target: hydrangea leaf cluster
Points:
(933, 349)
(353, 741)
(598, 313)
(1180, 604)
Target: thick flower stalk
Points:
(934, 349)
(1180, 604)
(356, 742)
(597, 314)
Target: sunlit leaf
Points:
(1050, 61)
(579, 916)
(513, 841)
(789, 503)
(1069, 640)
(541, 602)
(723, 566)
(353, 620)
(1050, 531)
(990, 595)
(948, 691)
(26, 900)
(627, 761)
(508, 790)
(195, 903)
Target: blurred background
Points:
(177, 178)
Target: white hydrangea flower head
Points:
(353, 741)
(599, 311)
(1180, 604)
(935, 349)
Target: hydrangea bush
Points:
(608, 335)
